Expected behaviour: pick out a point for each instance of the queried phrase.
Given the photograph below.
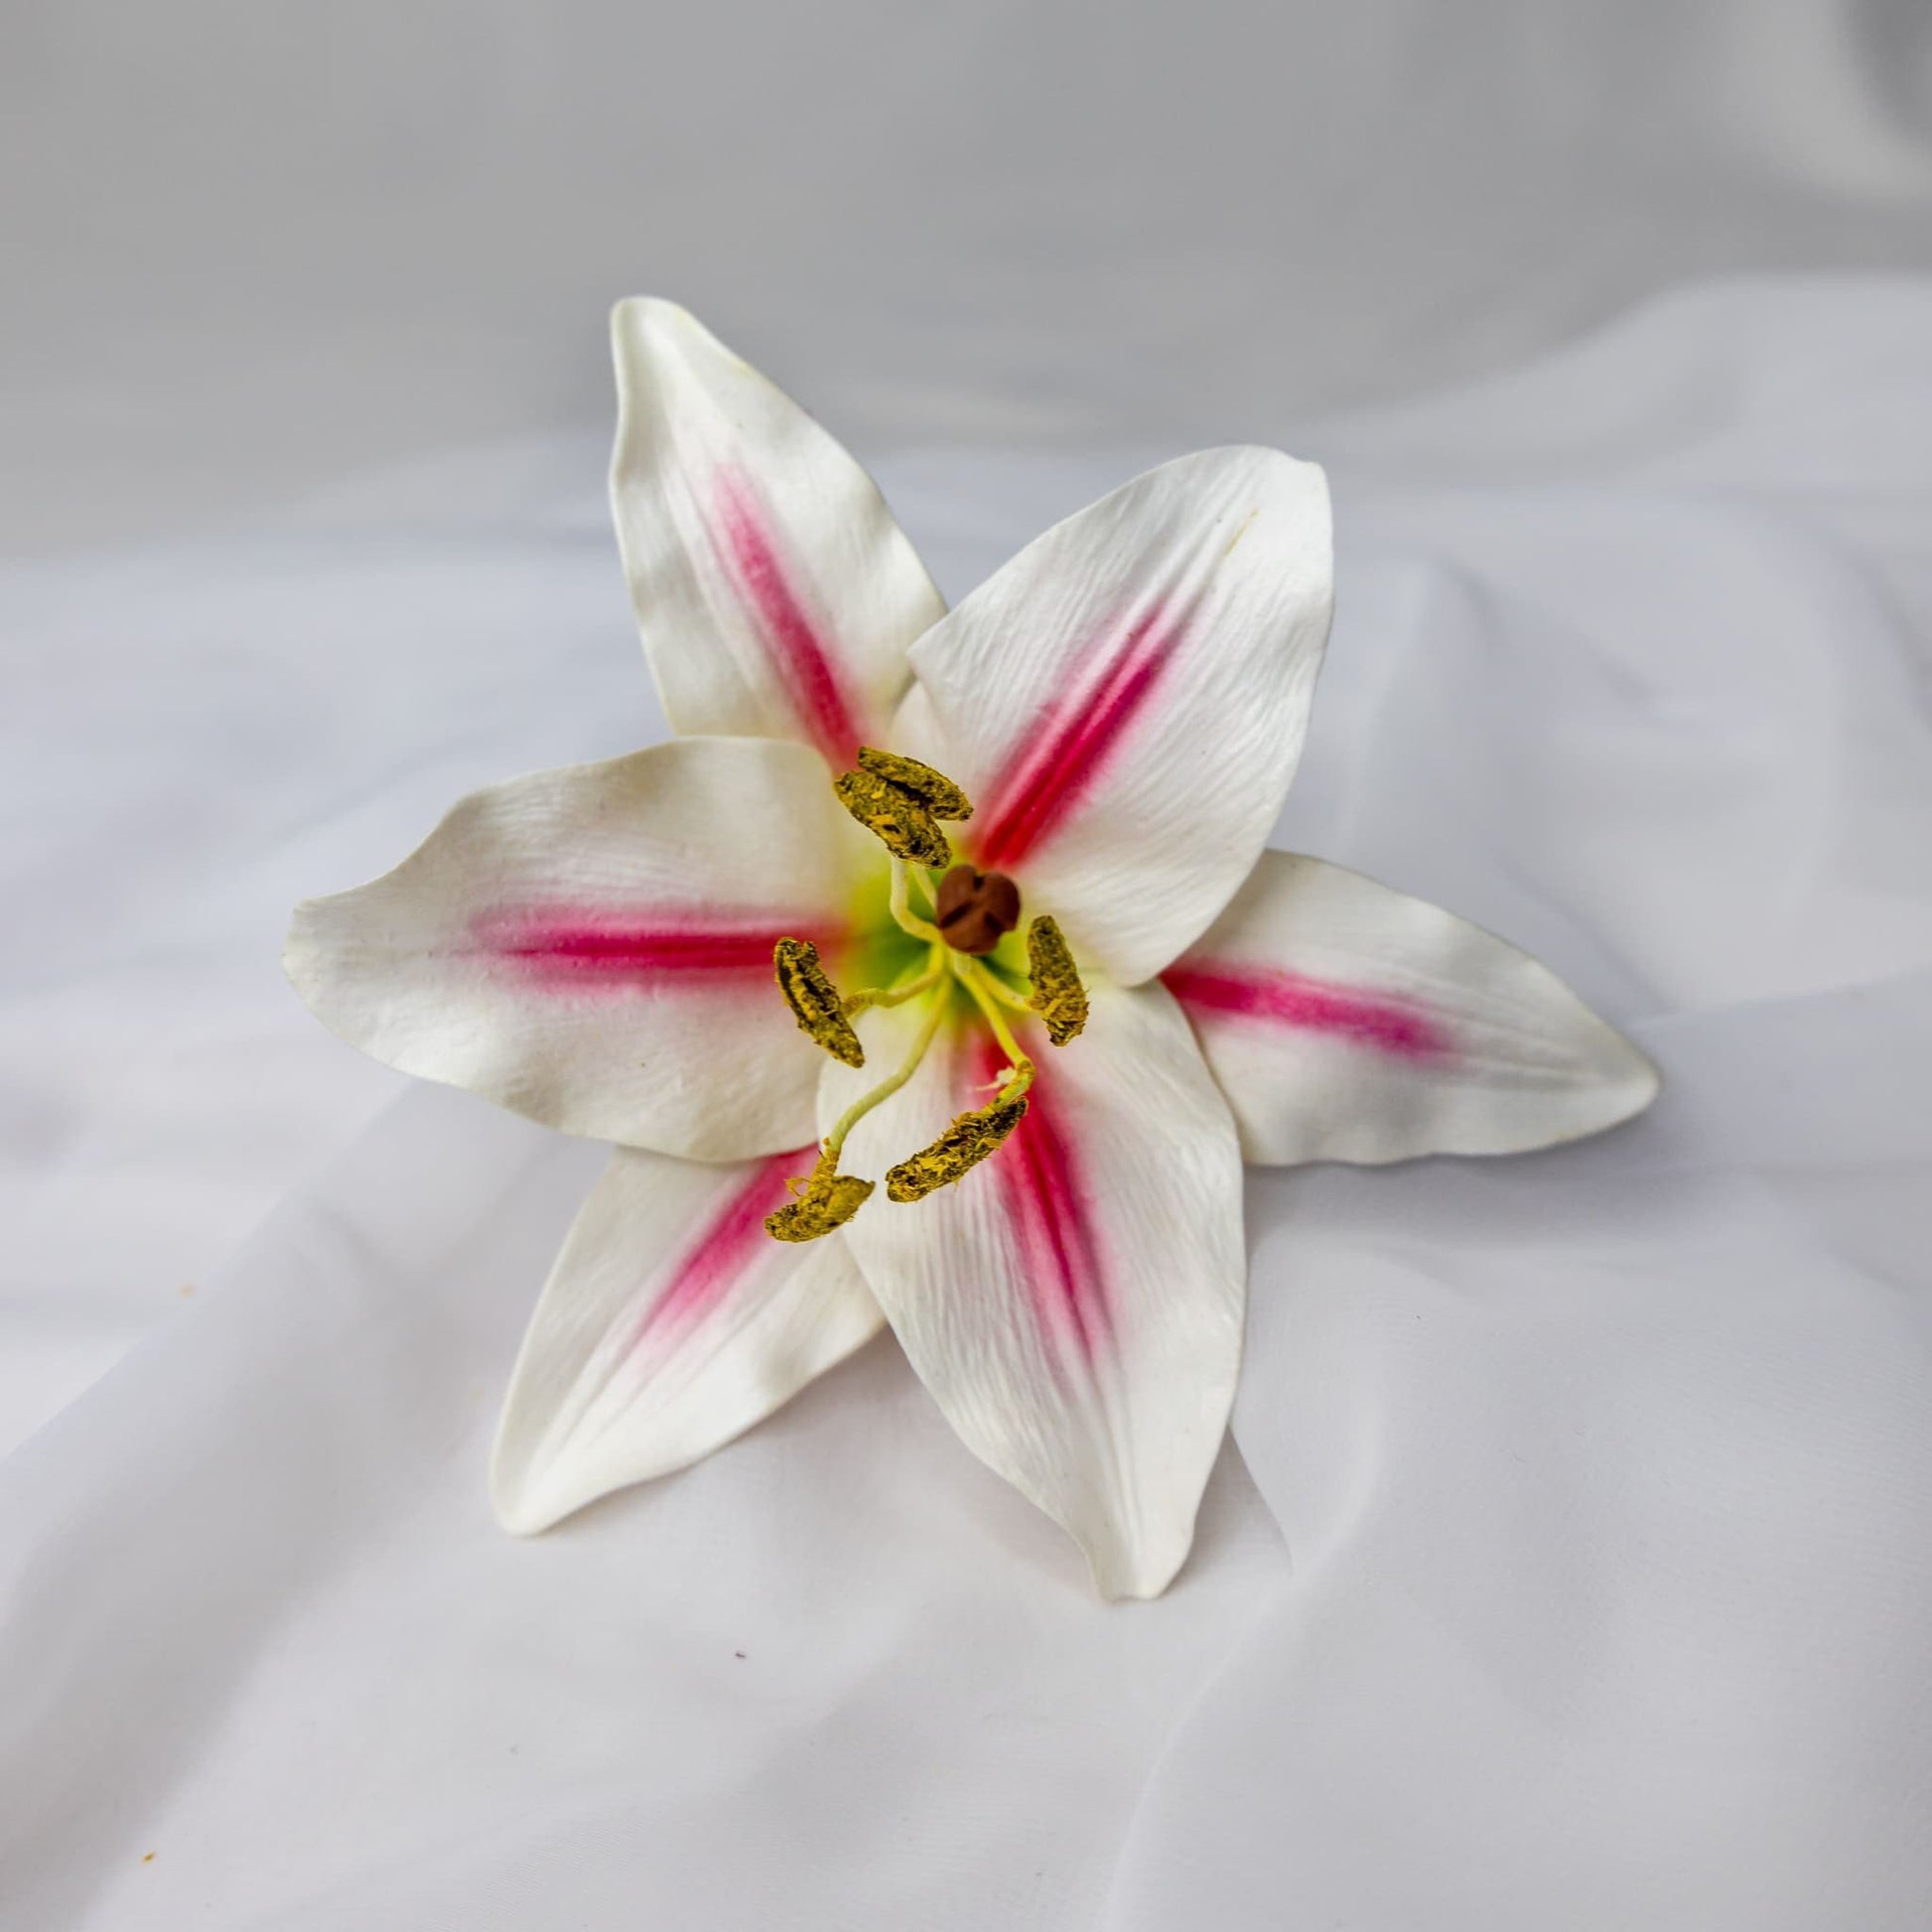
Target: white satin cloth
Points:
(1571, 1565)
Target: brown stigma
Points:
(974, 908)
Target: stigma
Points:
(975, 910)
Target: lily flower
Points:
(975, 904)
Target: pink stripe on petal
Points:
(565, 948)
(1050, 1210)
(1383, 1022)
(803, 660)
(1078, 738)
(703, 1276)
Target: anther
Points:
(973, 909)
(814, 1000)
(900, 820)
(961, 1147)
(827, 1199)
(937, 792)
(1057, 995)
(901, 802)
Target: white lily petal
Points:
(776, 594)
(670, 1323)
(1125, 701)
(1074, 1303)
(593, 946)
(1346, 1021)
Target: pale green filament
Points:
(973, 1136)
(981, 985)
(902, 902)
(827, 1199)
(892, 996)
(860, 1108)
(1005, 994)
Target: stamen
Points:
(937, 792)
(971, 1137)
(900, 801)
(898, 819)
(985, 988)
(961, 1147)
(1007, 996)
(826, 1201)
(814, 1001)
(909, 920)
(828, 1198)
(1058, 994)
(891, 996)
(860, 1108)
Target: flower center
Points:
(903, 802)
(974, 910)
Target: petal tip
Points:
(520, 1523)
(302, 950)
(1641, 1084)
(634, 313)
(1123, 1574)
(518, 1500)
(1299, 473)
(1628, 1082)
(1623, 1076)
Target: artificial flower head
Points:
(973, 904)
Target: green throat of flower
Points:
(965, 914)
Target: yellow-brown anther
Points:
(900, 818)
(814, 1001)
(1057, 995)
(933, 789)
(963, 1146)
(827, 1199)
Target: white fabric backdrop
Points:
(251, 247)
(1575, 1564)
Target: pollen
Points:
(937, 792)
(901, 822)
(826, 1199)
(1058, 994)
(963, 1146)
(901, 802)
(814, 1001)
